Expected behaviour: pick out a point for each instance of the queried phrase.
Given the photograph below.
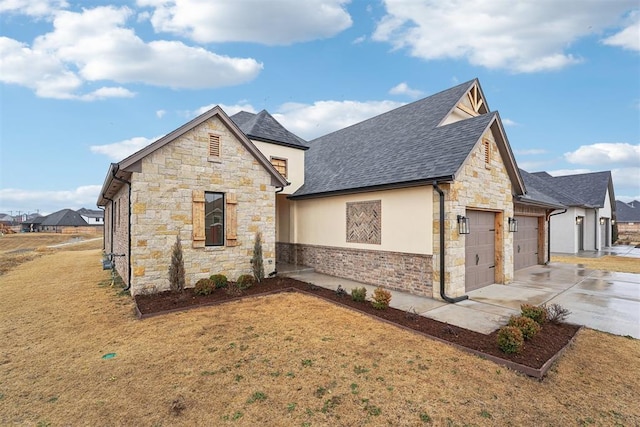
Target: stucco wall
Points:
(564, 231)
(478, 186)
(162, 197)
(295, 163)
(405, 220)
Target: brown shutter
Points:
(232, 219)
(198, 219)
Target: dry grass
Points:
(31, 241)
(285, 359)
(606, 263)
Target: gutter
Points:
(549, 234)
(442, 251)
(124, 181)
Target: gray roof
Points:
(585, 189)
(263, 127)
(65, 217)
(627, 212)
(539, 192)
(401, 147)
(91, 213)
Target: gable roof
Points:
(64, 217)
(539, 192)
(91, 213)
(123, 170)
(263, 127)
(586, 189)
(627, 212)
(402, 147)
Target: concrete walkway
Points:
(605, 301)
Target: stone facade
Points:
(162, 202)
(483, 184)
(393, 270)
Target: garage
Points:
(480, 250)
(525, 242)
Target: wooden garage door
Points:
(525, 242)
(480, 250)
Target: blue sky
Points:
(84, 84)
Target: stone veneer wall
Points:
(120, 231)
(162, 197)
(477, 186)
(393, 270)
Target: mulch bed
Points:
(535, 359)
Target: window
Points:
(280, 165)
(214, 219)
(214, 145)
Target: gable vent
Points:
(214, 145)
(487, 151)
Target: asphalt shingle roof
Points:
(263, 127)
(401, 146)
(539, 191)
(65, 217)
(627, 212)
(586, 189)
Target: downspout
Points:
(112, 216)
(549, 235)
(442, 251)
(124, 181)
(596, 221)
(275, 270)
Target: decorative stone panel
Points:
(364, 222)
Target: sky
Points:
(86, 83)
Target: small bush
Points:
(176, 268)
(204, 287)
(341, 292)
(234, 289)
(510, 339)
(536, 312)
(557, 314)
(359, 294)
(245, 281)
(220, 280)
(257, 264)
(381, 298)
(527, 326)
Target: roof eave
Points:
(284, 144)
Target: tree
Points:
(176, 268)
(256, 261)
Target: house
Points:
(32, 224)
(426, 198)
(628, 217)
(590, 202)
(205, 182)
(92, 216)
(63, 221)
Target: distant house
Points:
(32, 223)
(590, 203)
(65, 221)
(92, 216)
(628, 217)
(6, 219)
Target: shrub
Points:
(381, 298)
(219, 280)
(204, 287)
(257, 263)
(245, 281)
(359, 294)
(557, 313)
(341, 292)
(510, 339)
(234, 289)
(176, 268)
(536, 312)
(527, 326)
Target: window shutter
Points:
(232, 219)
(198, 219)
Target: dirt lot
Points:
(285, 359)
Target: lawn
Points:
(285, 359)
(606, 263)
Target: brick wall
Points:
(393, 270)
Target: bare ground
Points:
(285, 359)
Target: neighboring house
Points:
(590, 202)
(92, 216)
(32, 224)
(63, 221)
(628, 217)
(205, 182)
(6, 219)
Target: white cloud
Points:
(313, 120)
(160, 113)
(509, 122)
(230, 109)
(95, 45)
(404, 89)
(359, 40)
(629, 37)
(605, 154)
(120, 150)
(530, 151)
(627, 179)
(35, 8)
(523, 36)
(279, 22)
(563, 172)
(48, 201)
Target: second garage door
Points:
(525, 242)
(480, 250)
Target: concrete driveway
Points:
(605, 301)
